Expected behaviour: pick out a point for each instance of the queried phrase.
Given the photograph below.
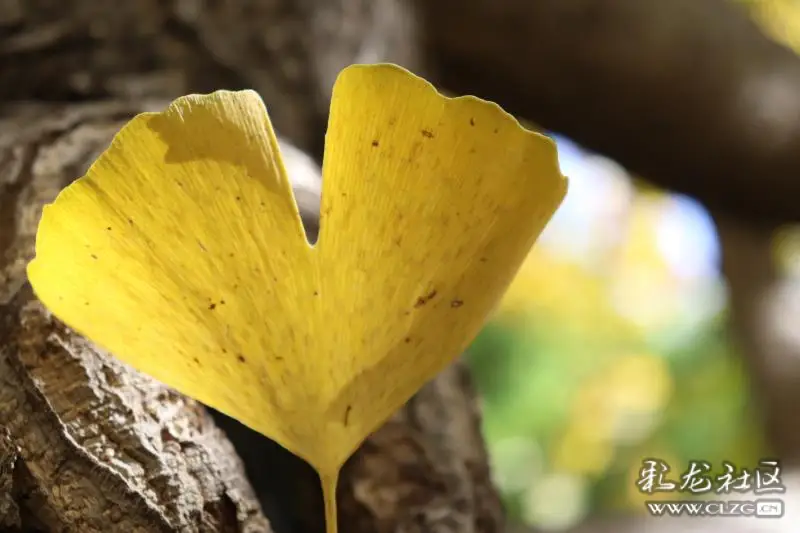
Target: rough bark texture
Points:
(92, 445)
(87, 444)
(106, 449)
(290, 51)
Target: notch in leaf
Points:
(182, 253)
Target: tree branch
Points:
(688, 93)
(760, 299)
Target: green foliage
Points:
(579, 389)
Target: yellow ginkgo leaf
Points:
(182, 253)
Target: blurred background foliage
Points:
(612, 346)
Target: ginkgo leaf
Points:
(182, 253)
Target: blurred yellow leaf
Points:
(779, 18)
(578, 452)
(563, 291)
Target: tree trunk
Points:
(763, 306)
(89, 445)
(86, 444)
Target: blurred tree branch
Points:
(761, 298)
(688, 93)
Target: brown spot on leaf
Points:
(375, 143)
(241, 358)
(422, 300)
(316, 293)
(108, 228)
(407, 340)
(196, 360)
(94, 256)
(222, 302)
(212, 307)
(456, 303)
(347, 414)
(428, 134)
(238, 198)
(471, 121)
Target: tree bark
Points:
(89, 445)
(289, 51)
(694, 114)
